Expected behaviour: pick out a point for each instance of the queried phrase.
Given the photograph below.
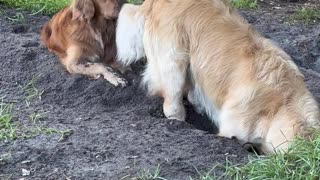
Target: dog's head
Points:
(52, 32)
(87, 9)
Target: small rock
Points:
(25, 172)
(25, 162)
(133, 157)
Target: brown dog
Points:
(83, 37)
(245, 83)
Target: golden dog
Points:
(244, 82)
(83, 37)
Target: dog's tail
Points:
(46, 32)
(129, 35)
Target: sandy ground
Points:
(117, 133)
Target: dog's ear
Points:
(83, 9)
(46, 32)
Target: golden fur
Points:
(244, 82)
(83, 37)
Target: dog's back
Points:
(249, 86)
(257, 89)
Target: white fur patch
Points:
(129, 35)
(165, 72)
(202, 104)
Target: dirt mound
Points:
(112, 132)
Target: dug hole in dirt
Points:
(112, 132)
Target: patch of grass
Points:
(37, 6)
(18, 18)
(302, 161)
(245, 4)
(307, 15)
(11, 131)
(8, 129)
(135, 1)
(150, 174)
(38, 129)
(44, 6)
(4, 159)
(31, 91)
(208, 175)
(63, 134)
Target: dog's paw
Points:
(115, 80)
(94, 77)
(122, 82)
(177, 117)
(173, 111)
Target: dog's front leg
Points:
(94, 70)
(111, 76)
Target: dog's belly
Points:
(230, 124)
(202, 104)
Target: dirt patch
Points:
(119, 132)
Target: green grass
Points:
(244, 4)
(150, 174)
(302, 161)
(37, 6)
(44, 6)
(37, 128)
(8, 129)
(135, 1)
(31, 91)
(307, 15)
(18, 18)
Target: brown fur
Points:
(83, 37)
(258, 92)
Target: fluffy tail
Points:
(129, 35)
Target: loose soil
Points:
(115, 132)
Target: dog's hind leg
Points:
(94, 70)
(165, 76)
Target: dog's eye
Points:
(48, 32)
